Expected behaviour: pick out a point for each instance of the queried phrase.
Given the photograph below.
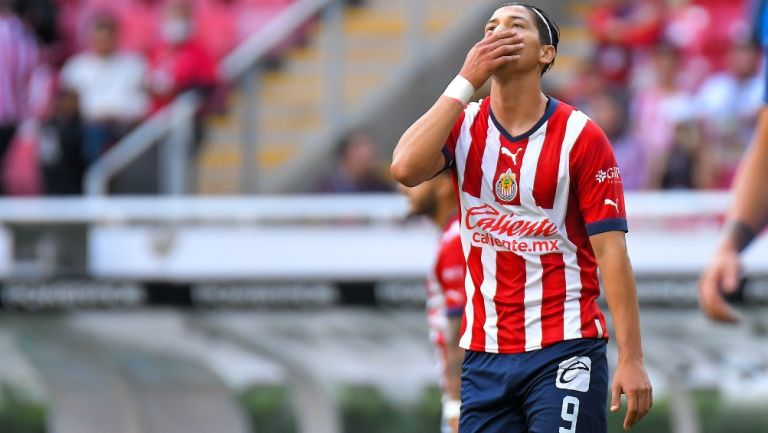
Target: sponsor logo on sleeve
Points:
(611, 175)
(574, 374)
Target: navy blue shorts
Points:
(562, 388)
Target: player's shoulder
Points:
(590, 137)
(588, 129)
(479, 107)
(578, 117)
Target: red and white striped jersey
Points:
(445, 289)
(528, 206)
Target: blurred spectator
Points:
(18, 57)
(584, 83)
(110, 85)
(687, 165)
(219, 25)
(657, 109)
(179, 63)
(610, 112)
(139, 20)
(727, 106)
(41, 17)
(61, 147)
(704, 31)
(356, 169)
(623, 31)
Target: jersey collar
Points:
(552, 104)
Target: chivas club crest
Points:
(506, 186)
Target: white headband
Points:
(551, 39)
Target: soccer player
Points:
(748, 213)
(541, 209)
(446, 298)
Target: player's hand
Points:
(453, 423)
(722, 276)
(494, 50)
(632, 380)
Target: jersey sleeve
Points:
(449, 149)
(451, 269)
(596, 180)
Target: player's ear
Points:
(547, 54)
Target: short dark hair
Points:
(549, 31)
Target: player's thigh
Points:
(571, 397)
(488, 405)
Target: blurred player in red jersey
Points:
(436, 199)
(748, 213)
(541, 209)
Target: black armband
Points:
(741, 234)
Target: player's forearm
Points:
(621, 294)
(418, 155)
(750, 191)
(455, 357)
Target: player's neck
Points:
(518, 103)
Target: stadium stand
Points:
(292, 100)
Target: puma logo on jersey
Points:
(509, 153)
(610, 202)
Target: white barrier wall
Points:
(358, 237)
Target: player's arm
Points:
(746, 218)
(630, 377)
(599, 191)
(419, 155)
(454, 359)
(451, 274)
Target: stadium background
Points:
(233, 258)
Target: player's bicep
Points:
(608, 244)
(441, 163)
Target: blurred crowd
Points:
(676, 85)
(82, 73)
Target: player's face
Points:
(421, 198)
(534, 55)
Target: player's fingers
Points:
(629, 419)
(506, 50)
(615, 397)
(717, 308)
(454, 424)
(510, 40)
(730, 277)
(644, 404)
(711, 300)
(493, 36)
(503, 60)
(707, 284)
